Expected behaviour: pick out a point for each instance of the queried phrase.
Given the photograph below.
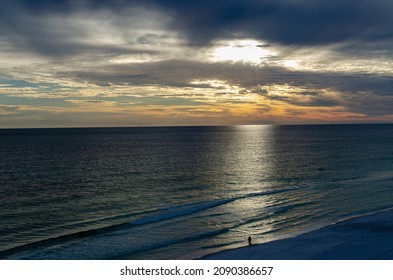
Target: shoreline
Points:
(363, 237)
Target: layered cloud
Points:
(300, 22)
(195, 62)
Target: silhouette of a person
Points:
(249, 241)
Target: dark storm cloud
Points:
(295, 22)
(302, 22)
(59, 29)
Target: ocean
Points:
(182, 192)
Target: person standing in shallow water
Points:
(249, 240)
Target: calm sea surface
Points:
(178, 192)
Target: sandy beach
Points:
(368, 237)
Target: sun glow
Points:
(250, 51)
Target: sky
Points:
(160, 62)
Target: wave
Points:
(97, 249)
(187, 209)
(175, 241)
(158, 216)
(273, 192)
(180, 210)
(286, 208)
(153, 216)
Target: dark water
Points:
(159, 193)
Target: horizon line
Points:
(201, 125)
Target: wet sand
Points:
(367, 237)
